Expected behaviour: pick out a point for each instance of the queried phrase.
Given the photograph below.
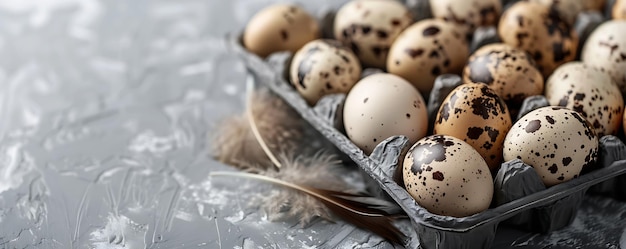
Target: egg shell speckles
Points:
(590, 92)
(540, 31)
(384, 105)
(567, 9)
(606, 50)
(369, 27)
(427, 49)
(509, 71)
(475, 114)
(280, 27)
(470, 14)
(556, 141)
(619, 10)
(324, 67)
(447, 177)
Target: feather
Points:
(312, 190)
(267, 124)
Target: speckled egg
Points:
(280, 27)
(447, 177)
(619, 10)
(475, 114)
(605, 49)
(509, 71)
(556, 141)
(369, 27)
(567, 9)
(427, 49)
(470, 14)
(324, 67)
(383, 105)
(590, 92)
(540, 31)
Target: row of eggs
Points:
(450, 173)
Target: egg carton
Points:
(520, 197)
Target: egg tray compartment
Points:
(524, 201)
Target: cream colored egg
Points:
(383, 105)
(509, 71)
(557, 142)
(470, 14)
(605, 50)
(447, 177)
(427, 49)
(590, 92)
(534, 28)
(369, 27)
(280, 27)
(474, 113)
(324, 67)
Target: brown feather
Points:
(234, 142)
(292, 203)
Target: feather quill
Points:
(355, 212)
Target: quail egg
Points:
(369, 27)
(324, 67)
(557, 142)
(605, 49)
(281, 27)
(470, 14)
(447, 177)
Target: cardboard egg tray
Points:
(520, 198)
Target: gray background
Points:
(105, 112)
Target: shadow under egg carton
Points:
(520, 198)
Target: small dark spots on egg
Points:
(414, 53)
(284, 35)
(375, 140)
(474, 132)
(365, 100)
(551, 121)
(408, 116)
(437, 175)
(366, 29)
(382, 34)
(553, 169)
(567, 161)
(430, 31)
(436, 71)
(561, 178)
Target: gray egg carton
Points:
(520, 197)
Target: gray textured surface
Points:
(106, 107)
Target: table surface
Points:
(106, 109)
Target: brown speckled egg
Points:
(427, 49)
(590, 92)
(447, 177)
(619, 10)
(383, 105)
(567, 9)
(324, 67)
(509, 71)
(555, 141)
(606, 50)
(477, 115)
(540, 31)
(280, 27)
(470, 14)
(369, 27)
